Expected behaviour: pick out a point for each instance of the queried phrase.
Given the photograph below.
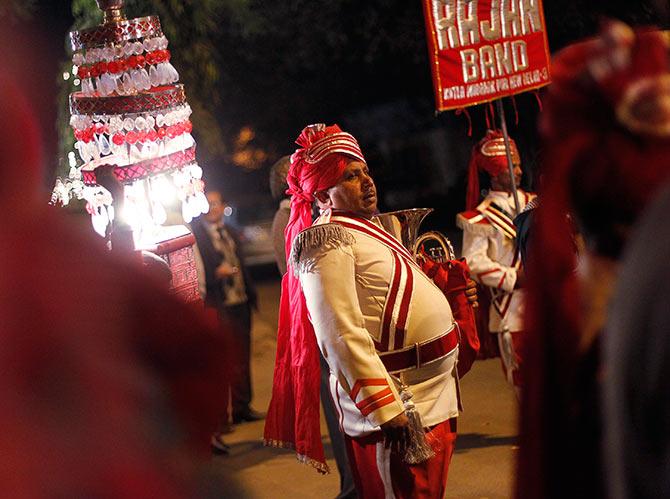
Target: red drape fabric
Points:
(293, 415)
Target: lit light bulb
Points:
(158, 213)
(162, 189)
(130, 214)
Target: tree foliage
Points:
(17, 10)
(256, 71)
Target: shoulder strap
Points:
(370, 229)
(499, 218)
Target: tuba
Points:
(404, 226)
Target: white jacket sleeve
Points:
(328, 282)
(485, 270)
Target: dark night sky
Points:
(394, 119)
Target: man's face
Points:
(216, 207)
(502, 181)
(354, 192)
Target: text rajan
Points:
(458, 25)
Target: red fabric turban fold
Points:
(293, 415)
(488, 155)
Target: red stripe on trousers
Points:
(427, 480)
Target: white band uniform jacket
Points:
(489, 246)
(365, 298)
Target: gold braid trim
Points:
(319, 466)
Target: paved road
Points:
(481, 468)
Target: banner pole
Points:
(508, 151)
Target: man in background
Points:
(278, 188)
(489, 244)
(225, 286)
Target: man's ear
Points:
(323, 198)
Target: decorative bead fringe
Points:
(319, 236)
(417, 448)
(317, 465)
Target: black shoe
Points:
(248, 415)
(226, 429)
(218, 446)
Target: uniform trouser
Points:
(347, 487)
(236, 322)
(381, 474)
(511, 347)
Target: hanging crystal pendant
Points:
(103, 87)
(173, 74)
(128, 83)
(83, 151)
(93, 150)
(134, 154)
(117, 149)
(136, 77)
(103, 145)
(108, 83)
(86, 86)
(150, 148)
(146, 81)
(153, 76)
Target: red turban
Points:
(293, 415)
(606, 131)
(488, 155)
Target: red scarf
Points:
(293, 416)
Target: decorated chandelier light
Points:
(132, 113)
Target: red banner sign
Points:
(481, 50)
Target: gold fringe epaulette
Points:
(318, 466)
(325, 236)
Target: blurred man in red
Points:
(106, 378)
(606, 133)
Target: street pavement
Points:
(482, 466)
